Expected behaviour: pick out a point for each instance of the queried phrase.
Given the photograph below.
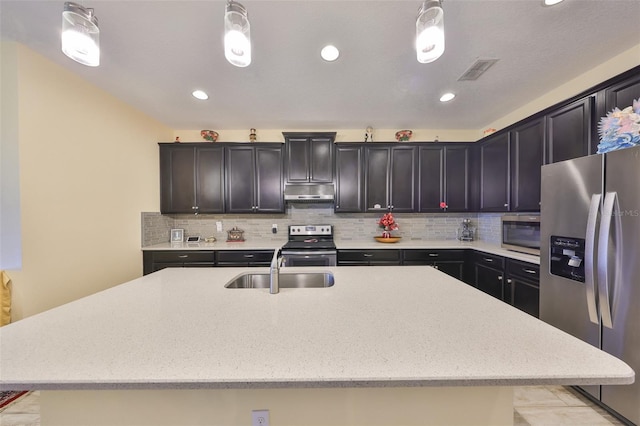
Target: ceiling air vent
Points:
(477, 69)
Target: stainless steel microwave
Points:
(521, 232)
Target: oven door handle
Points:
(309, 253)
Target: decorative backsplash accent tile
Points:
(347, 226)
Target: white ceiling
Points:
(154, 53)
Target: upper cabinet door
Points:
(390, 178)
(527, 152)
(309, 157)
(569, 131)
(298, 155)
(268, 184)
(177, 179)
(191, 179)
(457, 166)
(210, 179)
(402, 172)
(254, 179)
(349, 178)
(431, 178)
(240, 179)
(494, 173)
(622, 95)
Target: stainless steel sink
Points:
(287, 280)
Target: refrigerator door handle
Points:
(589, 263)
(603, 258)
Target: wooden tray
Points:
(387, 239)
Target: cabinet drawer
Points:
(183, 256)
(491, 260)
(244, 256)
(529, 271)
(366, 256)
(429, 256)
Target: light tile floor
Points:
(533, 406)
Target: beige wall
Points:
(88, 168)
(616, 65)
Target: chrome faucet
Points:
(274, 273)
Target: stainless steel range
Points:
(310, 245)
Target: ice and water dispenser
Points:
(567, 257)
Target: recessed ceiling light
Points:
(551, 2)
(447, 97)
(199, 94)
(329, 53)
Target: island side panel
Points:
(490, 406)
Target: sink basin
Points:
(287, 280)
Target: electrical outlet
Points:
(274, 228)
(260, 418)
(219, 226)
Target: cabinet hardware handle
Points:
(183, 256)
(193, 207)
(506, 205)
(436, 266)
(486, 259)
(248, 256)
(500, 278)
(529, 271)
(433, 254)
(509, 280)
(368, 255)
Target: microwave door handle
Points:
(590, 250)
(610, 201)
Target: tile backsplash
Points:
(347, 226)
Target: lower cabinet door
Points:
(526, 296)
(490, 281)
(455, 269)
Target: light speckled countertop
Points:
(354, 244)
(384, 326)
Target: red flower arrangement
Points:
(388, 223)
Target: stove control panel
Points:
(310, 230)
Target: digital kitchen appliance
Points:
(590, 261)
(310, 245)
(521, 232)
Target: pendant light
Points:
(430, 31)
(80, 34)
(237, 36)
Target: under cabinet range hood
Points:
(318, 193)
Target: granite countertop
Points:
(353, 244)
(180, 328)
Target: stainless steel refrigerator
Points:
(590, 260)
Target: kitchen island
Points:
(398, 345)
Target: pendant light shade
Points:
(430, 31)
(80, 34)
(237, 35)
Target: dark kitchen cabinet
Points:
(569, 131)
(244, 258)
(381, 257)
(390, 178)
(309, 157)
(254, 179)
(488, 270)
(451, 262)
(494, 173)
(527, 156)
(155, 260)
(622, 94)
(191, 178)
(523, 280)
(349, 178)
(443, 179)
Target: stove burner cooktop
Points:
(310, 237)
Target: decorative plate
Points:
(209, 135)
(387, 239)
